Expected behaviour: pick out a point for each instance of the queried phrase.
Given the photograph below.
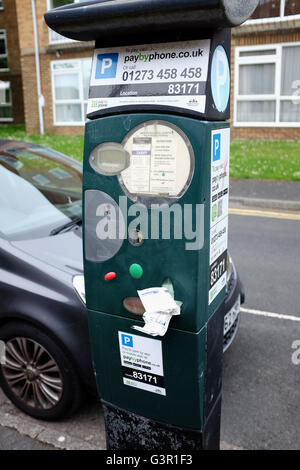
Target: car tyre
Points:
(38, 376)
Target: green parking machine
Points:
(155, 190)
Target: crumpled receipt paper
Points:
(160, 307)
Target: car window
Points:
(40, 189)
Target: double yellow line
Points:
(263, 213)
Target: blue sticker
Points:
(127, 340)
(216, 147)
(106, 65)
(220, 79)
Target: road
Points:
(261, 405)
(261, 399)
(267, 253)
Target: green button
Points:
(136, 271)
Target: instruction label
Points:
(142, 364)
(171, 74)
(160, 161)
(220, 148)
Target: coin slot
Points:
(135, 238)
(134, 305)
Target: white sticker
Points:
(218, 258)
(156, 299)
(218, 239)
(170, 74)
(142, 364)
(160, 307)
(156, 323)
(220, 148)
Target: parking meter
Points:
(155, 190)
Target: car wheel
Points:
(37, 376)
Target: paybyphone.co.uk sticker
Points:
(142, 364)
(168, 74)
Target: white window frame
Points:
(1, 5)
(276, 96)
(79, 100)
(274, 19)
(7, 119)
(3, 32)
(59, 39)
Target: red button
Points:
(110, 276)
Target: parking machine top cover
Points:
(113, 21)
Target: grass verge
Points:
(256, 159)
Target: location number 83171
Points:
(184, 89)
(148, 378)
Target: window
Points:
(3, 51)
(1, 5)
(267, 85)
(40, 175)
(275, 10)
(5, 102)
(70, 85)
(55, 37)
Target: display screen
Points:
(109, 158)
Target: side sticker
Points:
(220, 140)
(220, 148)
(142, 364)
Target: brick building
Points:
(11, 92)
(64, 69)
(265, 72)
(265, 59)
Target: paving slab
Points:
(284, 195)
(266, 189)
(13, 440)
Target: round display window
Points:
(161, 163)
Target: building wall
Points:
(261, 36)
(245, 35)
(48, 53)
(8, 21)
(26, 41)
(29, 86)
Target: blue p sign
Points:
(216, 147)
(127, 340)
(220, 79)
(106, 65)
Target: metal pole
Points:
(37, 67)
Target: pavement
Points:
(266, 194)
(82, 431)
(85, 430)
(260, 382)
(13, 440)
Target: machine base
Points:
(128, 431)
